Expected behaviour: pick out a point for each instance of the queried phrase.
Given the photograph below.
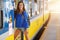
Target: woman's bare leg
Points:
(26, 34)
(16, 33)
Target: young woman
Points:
(22, 19)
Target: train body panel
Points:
(8, 19)
(34, 27)
(37, 19)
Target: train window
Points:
(38, 7)
(45, 5)
(35, 4)
(33, 7)
(30, 8)
(41, 6)
(1, 19)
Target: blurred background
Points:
(44, 19)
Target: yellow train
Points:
(38, 19)
(37, 25)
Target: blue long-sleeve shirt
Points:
(22, 20)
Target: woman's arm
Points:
(25, 15)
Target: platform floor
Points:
(52, 30)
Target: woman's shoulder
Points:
(25, 13)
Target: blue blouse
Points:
(21, 20)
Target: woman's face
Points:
(21, 6)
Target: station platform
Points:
(52, 30)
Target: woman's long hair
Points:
(18, 10)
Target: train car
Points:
(38, 14)
(6, 18)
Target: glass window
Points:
(42, 6)
(30, 8)
(33, 7)
(45, 5)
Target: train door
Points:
(1, 14)
(6, 16)
(1, 19)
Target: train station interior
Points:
(43, 16)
